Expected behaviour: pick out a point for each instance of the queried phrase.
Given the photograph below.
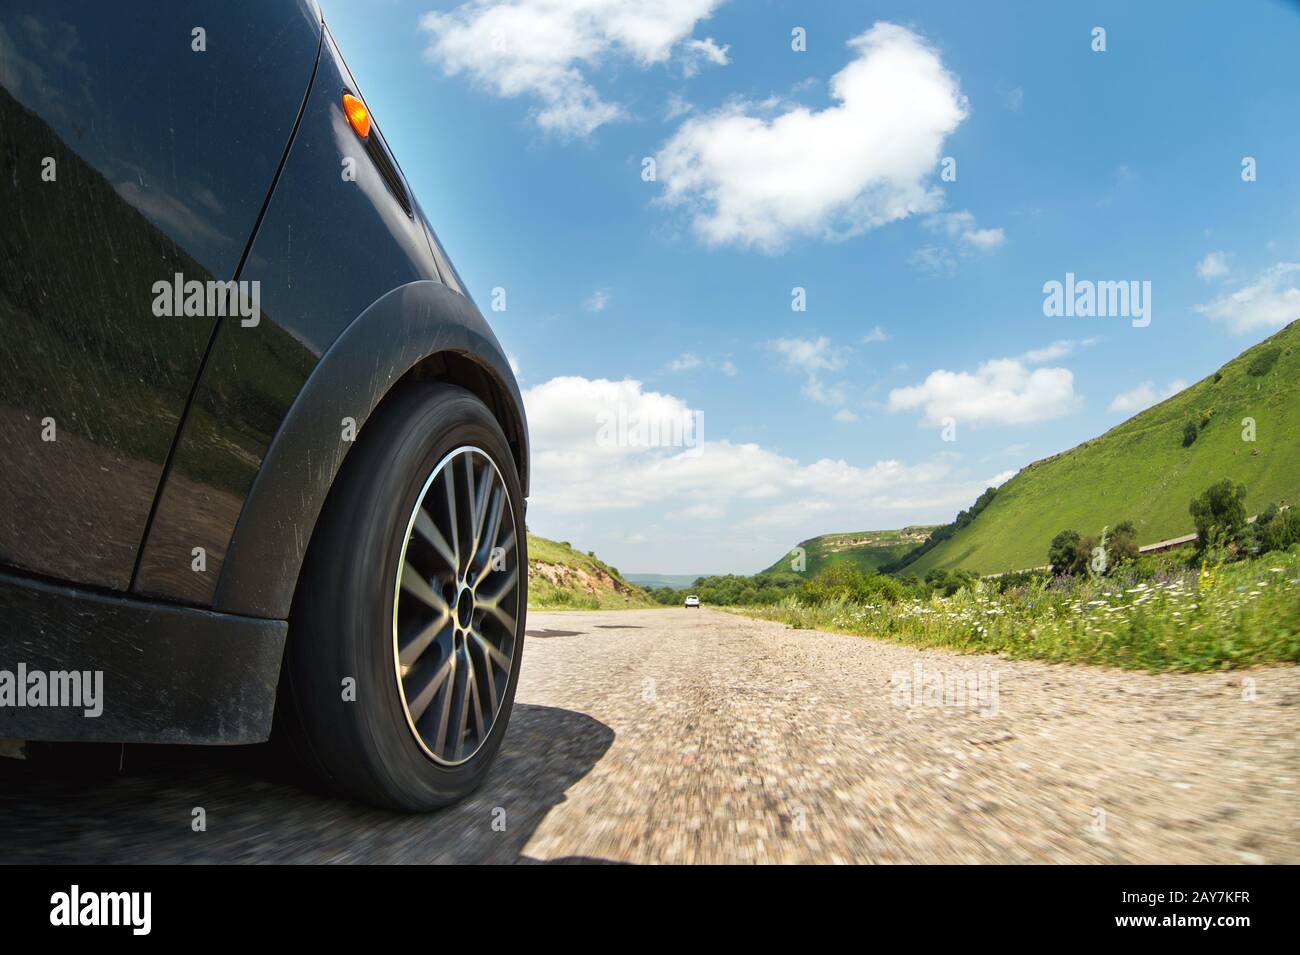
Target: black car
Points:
(262, 461)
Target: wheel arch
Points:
(421, 331)
(457, 368)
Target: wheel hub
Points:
(465, 608)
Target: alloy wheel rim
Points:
(455, 606)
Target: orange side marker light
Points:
(357, 114)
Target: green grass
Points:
(869, 550)
(1141, 471)
(1237, 615)
(562, 578)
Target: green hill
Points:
(868, 549)
(562, 578)
(1145, 471)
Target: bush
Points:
(1221, 507)
(1063, 553)
(1189, 433)
(1018, 580)
(936, 578)
(1264, 361)
(845, 582)
(959, 580)
(1087, 555)
(1122, 543)
(1282, 531)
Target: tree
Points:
(1063, 553)
(1221, 506)
(1122, 543)
(1282, 530)
(1087, 555)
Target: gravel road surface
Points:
(698, 736)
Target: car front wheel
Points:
(408, 622)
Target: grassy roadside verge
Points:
(560, 577)
(1236, 615)
(544, 596)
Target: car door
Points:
(138, 144)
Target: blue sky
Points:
(523, 125)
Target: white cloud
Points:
(984, 239)
(966, 238)
(1271, 301)
(1144, 396)
(754, 179)
(1057, 349)
(809, 356)
(545, 49)
(689, 361)
(676, 107)
(960, 227)
(824, 393)
(1002, 391)
(845, 416)
(718, 506)
(514, 363)
(597, 300)
(1213, 266)
(702, 52)
(877, 334)
(933, 259)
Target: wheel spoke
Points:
(507, 544)
(429, 531)
(462, 716)
(489, 677)
(476, 704)
(444, 712)
(503, 615)
(491, 651)
(414, 647)
(492, 603)
(452, 670)
(480, 505)
(413, 583)
(424, 696)
(493, 528)
(453, 518)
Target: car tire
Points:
(355, 670)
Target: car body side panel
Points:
(126, 156)
(330, 248)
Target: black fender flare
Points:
(401, 330)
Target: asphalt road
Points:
(697, 736)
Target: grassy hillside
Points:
(561, 578)
(867, 549)
(1142, 470)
